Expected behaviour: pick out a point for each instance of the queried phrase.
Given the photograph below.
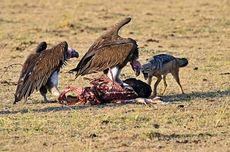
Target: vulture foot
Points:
(55, 91)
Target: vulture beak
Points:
(72, 53)
(136, 66)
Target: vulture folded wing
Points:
(107, 51)
(41, 70)
(28, 66)
(109, 55)
(31, 59)
(110, 35)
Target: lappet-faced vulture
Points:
(41, 68)
(110, 53)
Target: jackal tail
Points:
(182, 62)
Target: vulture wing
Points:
(36, 74)
(28, 65)
(31, 58)
(105, 57)
(109, 50)
(111, 34)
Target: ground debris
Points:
(4, 82)
(225, 73)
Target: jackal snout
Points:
(147, 69)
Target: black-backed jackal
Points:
(159, 66)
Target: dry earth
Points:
(198, 121)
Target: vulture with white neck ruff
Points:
(41, 68)
(110, 53)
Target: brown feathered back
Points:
(37, 69)
(107, 51)
(31, 59)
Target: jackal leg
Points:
(165, 84)
(159, 78)
(176, 77)
(150, 80)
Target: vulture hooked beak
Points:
(72, 53)
(136, 66)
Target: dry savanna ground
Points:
(198, 121)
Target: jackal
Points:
(159, 66)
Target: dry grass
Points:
(197, 121)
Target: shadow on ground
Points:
(169, 98)
(57, 108)
(195, 95)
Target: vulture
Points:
(110, 53)
(41, 68)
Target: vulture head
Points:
(69, 52)
(136, 66)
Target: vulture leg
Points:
(115, 75)
(53, 83)
(55, 91)
(110, 74)
(43, 92)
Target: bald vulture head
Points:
(110, 53)
(41, 68)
